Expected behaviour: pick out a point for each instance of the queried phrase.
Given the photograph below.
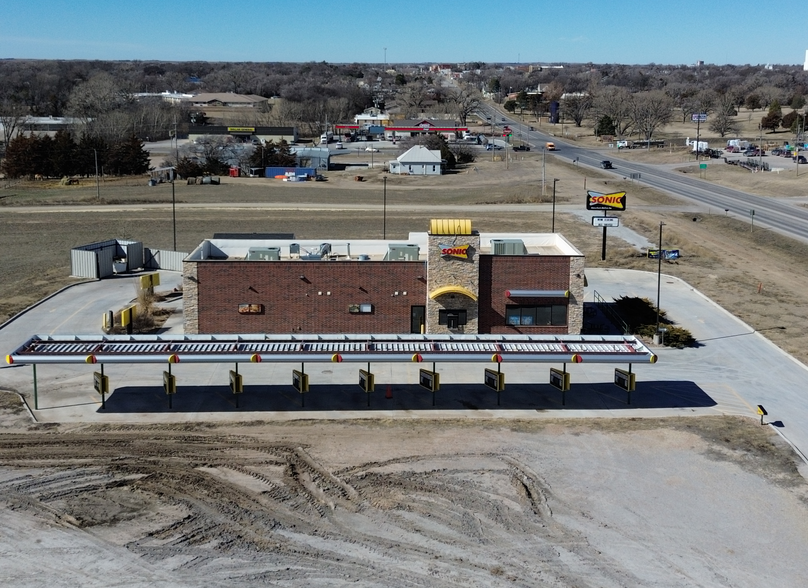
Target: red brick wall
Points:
(293, 305)
(519, 272)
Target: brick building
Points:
(449, 280)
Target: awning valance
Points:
(537, 293)
(452, 290)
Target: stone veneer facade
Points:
(453, 271)
(190, 297)
(575, 310)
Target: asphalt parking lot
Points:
(716, 377)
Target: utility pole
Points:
(384, 208)
(552, 230)
(659, 278)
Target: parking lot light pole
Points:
(553, 225)
(384, 208)
(659, 278)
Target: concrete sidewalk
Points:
(731, 371)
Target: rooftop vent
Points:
(508, 247)
(264, 254)
(403, 252)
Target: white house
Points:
(418, 161)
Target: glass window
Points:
(559, 314)
(545, 315)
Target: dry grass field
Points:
(749, 273)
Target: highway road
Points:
(771, 212)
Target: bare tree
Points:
(578, 106)
(465, 101)
(12, 116)
(650, 111)
(412, 98)
(616, 104)
(723, 121)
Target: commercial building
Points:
(451, 279)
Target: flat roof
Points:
(352, 348)
(548, 244)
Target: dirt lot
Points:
(630, 503)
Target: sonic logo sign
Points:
(461, 251)
(598, 201)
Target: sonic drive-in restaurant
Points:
(451, 279)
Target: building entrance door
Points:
(418, 319)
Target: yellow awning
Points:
(452, 290)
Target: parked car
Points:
(799, 159)
(754, 152)
(492, 147)
(606, 164)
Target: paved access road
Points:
(772, 213)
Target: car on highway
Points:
(371, 149)
(492, 147)
(521, 147)
(339, 145)
(606, 164)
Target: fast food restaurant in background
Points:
(451, 279)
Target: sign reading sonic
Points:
(598, 201)
(461, 251)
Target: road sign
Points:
(699, 117)
(605, 221)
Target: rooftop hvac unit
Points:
(264, 254)
(508, 247)
(407, 252)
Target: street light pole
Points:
(174, 206)
(553, 226)
(384, 208)
(659, 277)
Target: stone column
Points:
(451, 270)
(190, 297)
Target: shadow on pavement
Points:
(652, 394)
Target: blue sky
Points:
(531, 31)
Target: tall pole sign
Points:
(698, 118)
(615, 201)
